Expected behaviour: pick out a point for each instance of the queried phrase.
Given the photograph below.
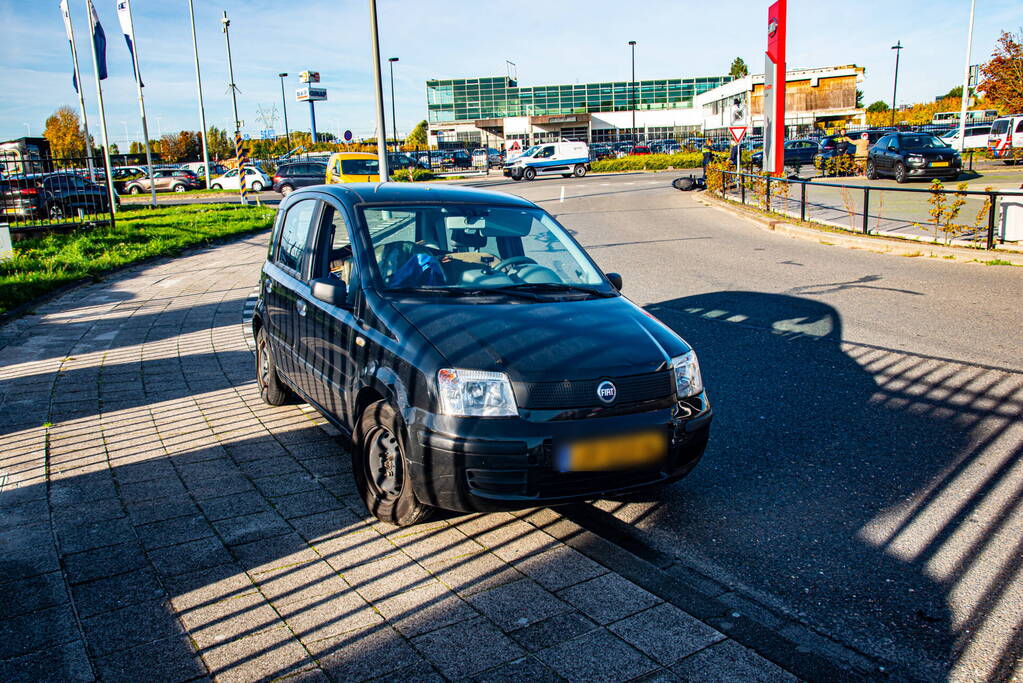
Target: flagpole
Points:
(78, 80)
(202, 109)
(90, 11)
(134, 49)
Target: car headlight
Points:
(688, 381)
(915, 159)
(475, 393)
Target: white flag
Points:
(67, 19)
(124, 17)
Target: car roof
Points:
(388, 193)
(353, 155)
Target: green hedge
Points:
(649, 162)
(419, 174)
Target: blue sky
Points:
(560, 41)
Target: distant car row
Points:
(53, 196)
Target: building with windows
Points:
(493, 111)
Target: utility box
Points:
(1012, 217)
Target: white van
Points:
(976, 136)
(1006, 138)
(566, 159)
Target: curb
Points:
(877, 244)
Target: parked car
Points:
(601, 151)
(976, 137)
(255, 180)
(1006, 139)
(566, 159)
(913, 155)
(297, 174)
(199, 169)
(486, 156)
(165, 180)
(797, 153)
(456, 158)
(353, 167)
(55, 196)
(408, 316)
(665, 147)
(829, 147)
(640, 150)
(398, 161)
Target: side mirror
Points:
(331, 291)
(615, 279)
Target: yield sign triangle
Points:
(738, 133)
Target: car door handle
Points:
(301, 306)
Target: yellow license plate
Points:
(628, 451)
(939, 163)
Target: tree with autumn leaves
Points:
(63, 131)
(1002, 82)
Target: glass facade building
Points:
(468, 99)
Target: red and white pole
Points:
(774, 89)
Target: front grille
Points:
(583, 393)
(550, 484)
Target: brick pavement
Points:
(158, 521)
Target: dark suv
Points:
(474, 352)
(916, 155)
(299, 174)
(56, 196)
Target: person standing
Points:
(708, 155)
(862, 145)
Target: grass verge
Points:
(43, 264)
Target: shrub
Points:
(649, 162)
(418, 174)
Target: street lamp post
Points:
(895, 88)
(394, 122)
(202, 107)
(230, 70)
(966, 82)
(379, 88)
(632, 88)
(284, 105)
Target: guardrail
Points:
(730, 177)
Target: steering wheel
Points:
(513, 261)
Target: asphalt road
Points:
(865, 472)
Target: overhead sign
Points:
(348, 136)
(738, 133)
(311, 94)
(309, 77)
(267, 134)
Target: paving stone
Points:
(325, 525)
(324, 616)
(271, 553)
(387, 577)
(596, 656)
(67, 663)
(730, 661)
(31, 594)
(189, 557)
(254, 450)
(346, 552)
(96, 511)
(215, 488)
(147, 512)
(114, 592)
(207, 586)
(608, 598)
(424, 609)
(264, 656)
(422, 672)
(474, 573)
(233, 505)
(558, 568)
(553, 631)
(517, 604)
(153, 489)
(467, 648)
(254, 527)
(130, 626)
(27, 633)
(330, 466)
(173, 531)
(306, 503)
(665, 633)
(366, 653)
(270, 466)
(435, 545)
(524, 669)
(94, 564)
(221, 621)
(284, 484)
(300, 582)
(155, 468)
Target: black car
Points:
(913, 155)
(797, 153)
(456, 158)
(55, 196)
(830, 145)
(475, 354)
(297, 174)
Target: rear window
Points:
(360, 166)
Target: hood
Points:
(546, 341)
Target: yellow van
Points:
(353, 167)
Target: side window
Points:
(336, 259)
(295, 234)
(545, 152)
(1019, 126)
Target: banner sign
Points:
(774, 89)
(124, 17)
(311, 94)
(99, 43)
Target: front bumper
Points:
(487, 464)
(934, 171)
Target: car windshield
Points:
(922, 142)
(999, 127)
(474, 250)
(360, 166)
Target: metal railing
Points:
(49, 193)
(743, 181)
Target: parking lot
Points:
(856, 515)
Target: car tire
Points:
(256, 186)
(271, 389)
(135, 189)
(216, 186)
(286, 190)
(871, 171)
(381, 469)
(528, 173)
(900, 173)
(179, 188)
(579, 171)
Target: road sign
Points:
(246, 136)
(738, 133)
(348, 136)
(311, 94)
(267, 134)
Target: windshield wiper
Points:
(558, 287)
(464, 291)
